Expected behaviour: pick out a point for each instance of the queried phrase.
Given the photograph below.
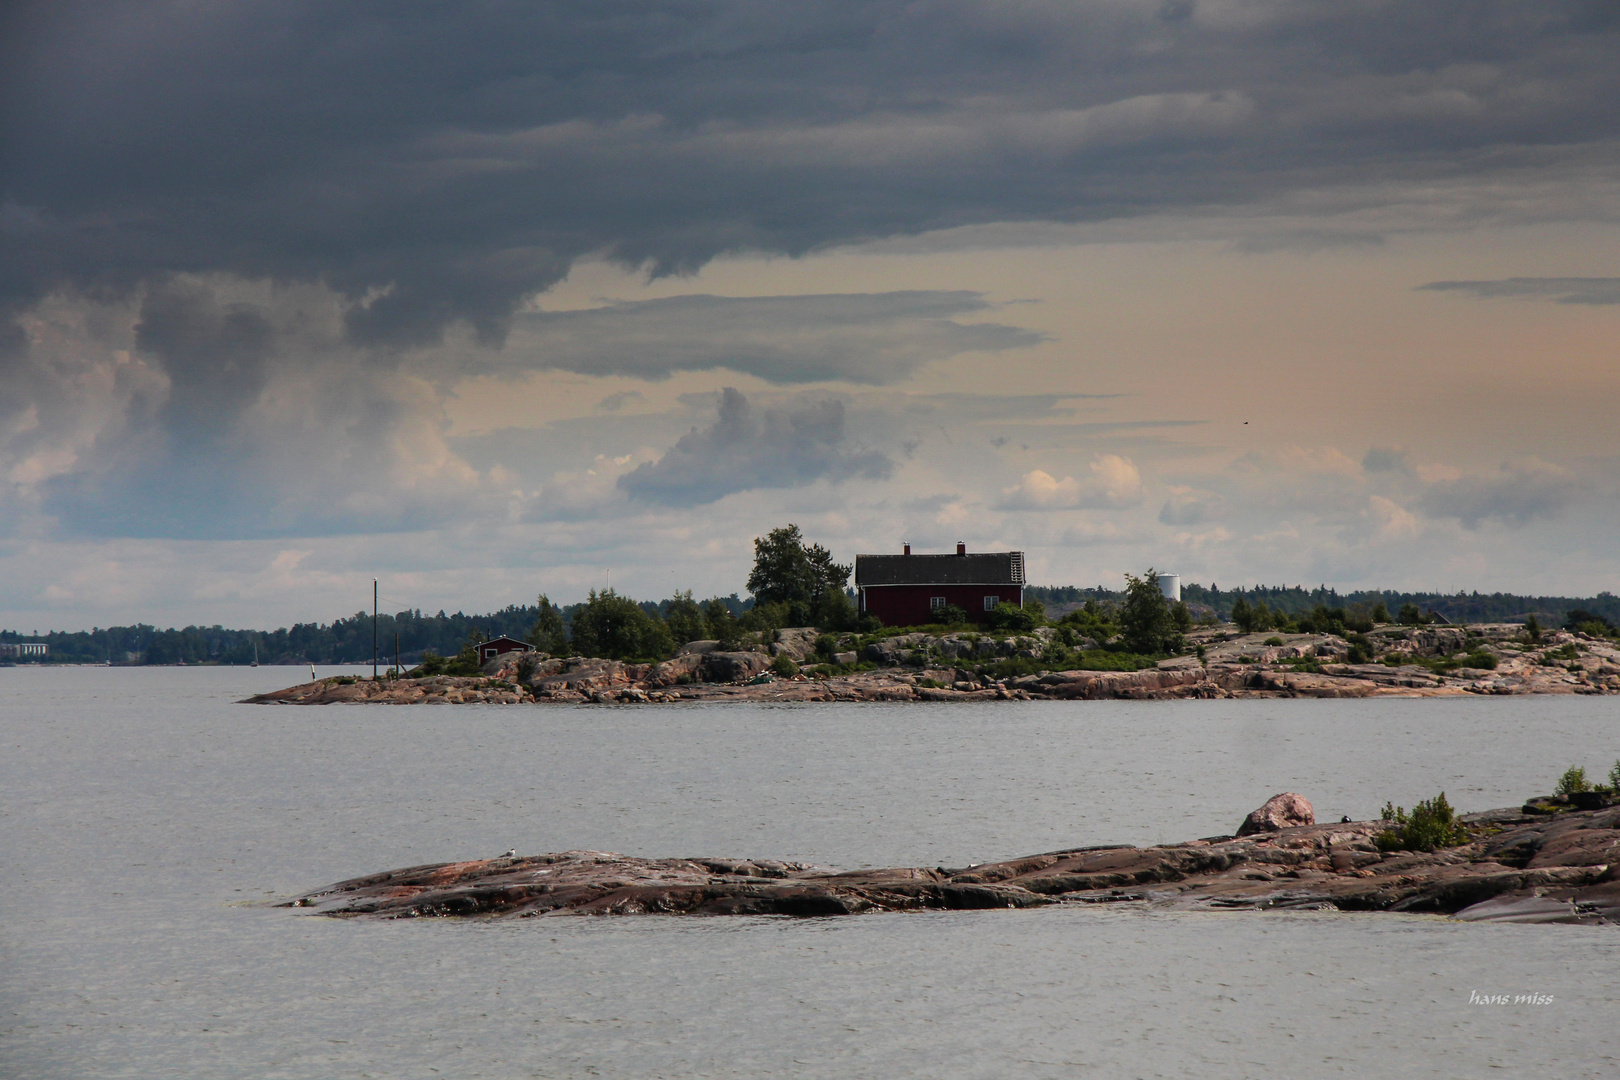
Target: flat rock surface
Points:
(1520, 868)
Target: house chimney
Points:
(907, 548)
(961, 548)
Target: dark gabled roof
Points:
(504, 640)
(976, 568)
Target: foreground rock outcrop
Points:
(1521, 867)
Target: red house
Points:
(489, 650)
(907, 589)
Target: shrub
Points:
(1011, 617)
(1431, 825)
(1614, 778)
(1480, 659)
(1358, 654)
(1573, 781)
(1532, 628)
(525, 667)
(1585, 622)
(1380, 612)
(1410, 615)
(784, 666)
(951, 615)
(1273, 640)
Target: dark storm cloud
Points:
(867, 338)
(448, 159)
(747, 449)
(1564, 290)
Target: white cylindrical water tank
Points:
(1170, 585)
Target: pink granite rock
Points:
(1283, 811)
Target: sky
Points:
(489, 299)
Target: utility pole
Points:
(373, 629)
(397, 672)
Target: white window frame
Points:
(990, 602)
(936, 603)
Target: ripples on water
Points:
(145, 819)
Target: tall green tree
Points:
(789, 571)
(615, 628)
(685, 619)
(719, 622)
(549, 634)
(1145, 619)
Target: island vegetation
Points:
(796, 583)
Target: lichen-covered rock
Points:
(726, 667)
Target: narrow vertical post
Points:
(397, 671)
(373, 629)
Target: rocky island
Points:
(1416, 661)
(1545, 862)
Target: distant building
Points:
(908, 590)
(23, 648)
(489, 650)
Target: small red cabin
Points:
(907, 589)
(489, 650)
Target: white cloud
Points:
(1390, 520)
(1114, 483)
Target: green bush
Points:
(1358, 654)
(1431, 825)
(1614, 778)
(1007, 616)
(1573, 781)
(784, 666)
(1273, 640)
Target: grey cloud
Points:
(1563, 290)
(1384, 460)
(1190, 507)
(615, 402)
(464, 156)
(860, 337)
(1515, 496)
(744, 450)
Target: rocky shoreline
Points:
(1416, 662)
(1542, 863)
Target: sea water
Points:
(148, 823)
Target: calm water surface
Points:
(145, 820)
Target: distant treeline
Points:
(348, 640)
(1297, 600)
(343, 641)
